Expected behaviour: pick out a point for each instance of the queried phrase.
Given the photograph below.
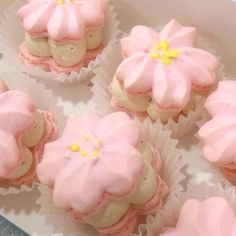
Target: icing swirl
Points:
(212, 217)
(62, 20)
(221, 106)
(16, 117)
(166, 65)
(96, 155)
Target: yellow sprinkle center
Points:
(74, 148)
(96, 152)
(60, 2)
(84, 153)
(164, 45)
(155, 55)
(87, 138)
(162, 51)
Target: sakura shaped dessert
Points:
(24, 130)
(218, 135)
(62, 35)
(110, 174)
(212, 217)
(162, 74)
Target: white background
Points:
(215, 20)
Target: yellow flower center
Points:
(74, 148)
(161, 51)
(89, 147)
(62, 2)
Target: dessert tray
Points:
(219, 31)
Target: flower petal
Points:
(9, 154)
(215, 149)
(36, 14)
(178, 35)
(125, 161)
(171, 90)
(222, 101)
(16, 112)
(198, 65)
(69, 190)
(86, 124)
(141, 39)
(136, 73)
(118, 127)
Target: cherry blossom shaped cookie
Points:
(62, 35)
(162, 75)
(219, 133)
(212, 217)
(110, 175)
(23, 132)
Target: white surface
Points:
(215, 19)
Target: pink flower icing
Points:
(165, 64)
(95, 160)
(69, 20)
(213, 217)
(16, 117)
(219, 134)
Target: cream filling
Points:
(68, 54)
(24, 167)
(65, 54)
(32, 137)
(37, 46)
(157, 114)
(130, 102)
(94, 38)
(164, 115)
(114, 211)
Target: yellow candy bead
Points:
(87, 138)
(96, 153)
(166, 61)
(164, 45)
(60, 2)
(84, 153)
(171, 54)
(74, 148)
(155, 56)
(157, 47)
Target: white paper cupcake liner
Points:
(172, 173)
(104, 74)
(12, 35)
(43, 100)
(168, 216)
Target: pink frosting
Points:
(69, 21)
(169, 83)
(213, 217)
(50, 133)
(219, 134)
(16, 117)
(91, 181)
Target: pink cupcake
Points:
(110, 174)
(203, 210)
(62, 35)
(162, 74)
(218, 135)
(24, 130)
(211, 217)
